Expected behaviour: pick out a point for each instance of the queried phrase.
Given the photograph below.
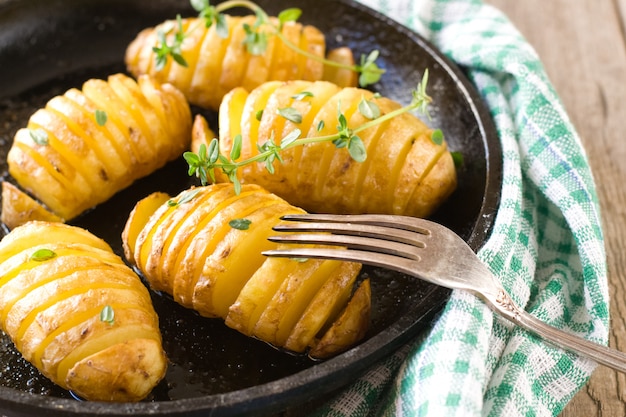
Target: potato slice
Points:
(348, 328)
(337, 75)
(323, 308)
(19, 208)
(138, 218)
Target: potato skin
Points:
(81, 163)
(189, 249)
(405, 172)
(51, 308)
(216, 65)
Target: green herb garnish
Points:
(437, 137)
(240, 224)
(39, 136)
(291, 114)
(107, 315)
(43, 254)
(101, 117)
(184, 197)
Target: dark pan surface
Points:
(48, 46)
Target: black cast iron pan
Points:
(48, 46)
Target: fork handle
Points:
(606, 356)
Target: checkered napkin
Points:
(546, 246)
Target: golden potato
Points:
(78, 313)
(406, 172)
(85, 146)
(216, 65)
(204, 248)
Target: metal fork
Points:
(429, 251)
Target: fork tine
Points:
(370, 258)
(369, 244)
(397, 222)
(355, 229)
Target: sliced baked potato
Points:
(214, 65)
(84, 146)
(78, 313)
(204, 248)
(406, 171)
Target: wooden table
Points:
(583, 47)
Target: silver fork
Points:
(429, 251)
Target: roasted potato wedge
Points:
(406, 171)
(216, 65)
(78, 313)
(84, 146)
(204, 248)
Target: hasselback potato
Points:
(215, 65)
(84, 146)
(78, 313)
(204, 248)
(406, 171)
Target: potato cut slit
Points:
(257, 71)
(363, 168)
(239, 208)
(177, 219)
(432, 163)
(329, 153)
(323, 309)
(58, 298)
(138, 218)
(100, 93)
(236, 57)
(394, 176)
(132, 101)
(198, 219)
(69, 157)
(257, 293)
(303, 297)
(210, 245)
(29, 267)
(322, 92)
(191, 51)
(56, 234)
(110, 132)
(246, 257)
(42, 162)
(203, 85)
(105, 150)
(256, 102)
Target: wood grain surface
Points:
(582, 44)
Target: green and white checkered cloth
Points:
(546, 247)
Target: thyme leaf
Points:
(184, 197)
(291, 114)
(107, 315)
(101, 117)
(240, 224)
(39, 136)
(43, 254)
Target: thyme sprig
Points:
(209, 158)
(256, 40)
